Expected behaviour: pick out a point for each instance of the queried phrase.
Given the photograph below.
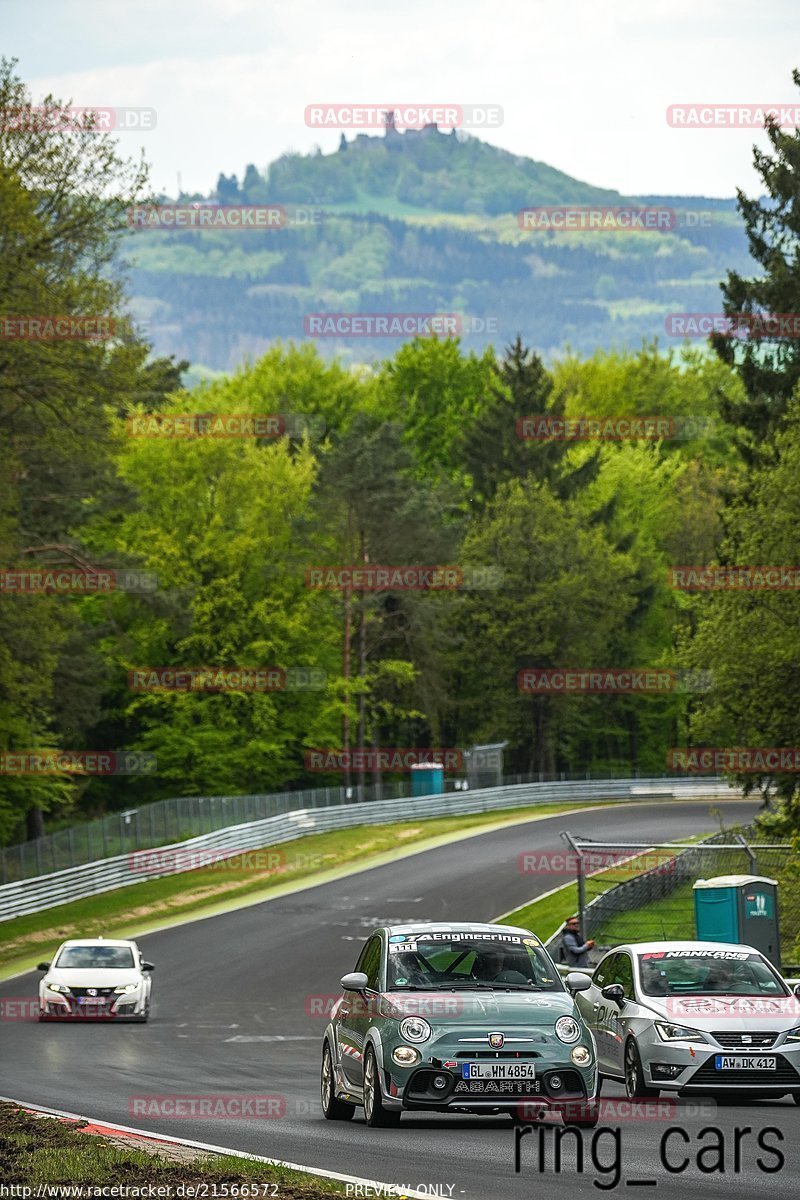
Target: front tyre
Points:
(376, 1116)
(332, 1109)
(635, 1086)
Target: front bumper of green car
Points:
(438, 1081)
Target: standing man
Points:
(574, 950)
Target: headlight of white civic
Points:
(125, 987)
(568, 1029)
(56, 987)
(669, 1032)
(415, 1029)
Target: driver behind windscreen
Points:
(498, 966)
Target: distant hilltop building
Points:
(393, 137)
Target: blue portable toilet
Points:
(427, 779)
(741, 909)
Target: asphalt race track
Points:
(232, 997)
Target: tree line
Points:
(564, 546)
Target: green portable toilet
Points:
(739, 908)
(427, 779)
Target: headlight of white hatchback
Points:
(794, 1034)
(56, 987)
(125, 987)
(669, 1032)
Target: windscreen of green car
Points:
(466, 960)
(708, 973)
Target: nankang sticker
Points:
(737, 955)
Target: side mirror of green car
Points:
(356, 981)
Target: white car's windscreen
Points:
(101, 957)
(708, 973)
(445, 961)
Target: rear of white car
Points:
(95, 978)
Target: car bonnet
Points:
(468, 1007)
(734, 1013)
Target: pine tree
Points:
(769, 369)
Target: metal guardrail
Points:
(26, 896)
(161, 822)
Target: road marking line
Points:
(272, 1037)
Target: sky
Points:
(582, 86)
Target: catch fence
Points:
(53, 888)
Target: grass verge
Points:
(248, 878)
(44, 1150)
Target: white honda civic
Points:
(96, 977)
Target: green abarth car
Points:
(458, 1018)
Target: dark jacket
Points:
(574, 952)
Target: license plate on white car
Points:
(736, 1062)
(498, 1070)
